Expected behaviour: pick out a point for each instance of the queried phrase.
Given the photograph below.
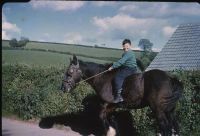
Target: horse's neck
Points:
(102, 85)
(86, 72)
(96, 81)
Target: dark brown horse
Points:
(154, 88)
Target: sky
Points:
(103, 23)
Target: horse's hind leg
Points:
(163, 123)
(173, 122)
(175, 126)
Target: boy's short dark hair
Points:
(126, 41)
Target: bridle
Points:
(72, 82)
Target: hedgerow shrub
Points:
(144, 122)
(21, 43)
(13, 42)
(33, 92)
(188, 108)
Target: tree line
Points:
(147, 55)
(21, 43)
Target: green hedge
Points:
(33, 92)
(187, 110)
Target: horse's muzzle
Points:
(64, 89)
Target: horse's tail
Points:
(177, 89)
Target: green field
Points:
(76, 49)
(97, 52)
(5, 43)
(47, 56)
(40, 58)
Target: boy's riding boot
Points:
(118, 97)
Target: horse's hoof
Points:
(159, 134)
(111, 131)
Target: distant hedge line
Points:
(33, 92)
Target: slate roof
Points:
(182, 51)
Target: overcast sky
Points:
(102, 23)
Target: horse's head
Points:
(72, 75)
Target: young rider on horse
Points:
(127, 65)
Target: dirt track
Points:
(12, 127)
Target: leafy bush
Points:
(144, 120)
(33, 92)
(13, 42)
(21, 43)
(188, 108)
(147, 57)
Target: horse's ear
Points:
(74, 57)
(75, 60)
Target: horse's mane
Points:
(102, 67)
(96, 66)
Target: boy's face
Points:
(126, 46)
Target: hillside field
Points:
(40, 58)
(53, 54)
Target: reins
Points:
(92, 76)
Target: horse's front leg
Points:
(113, 128)
(108, 120)
(103, 118)
(109, 128)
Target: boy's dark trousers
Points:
(122, 73)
